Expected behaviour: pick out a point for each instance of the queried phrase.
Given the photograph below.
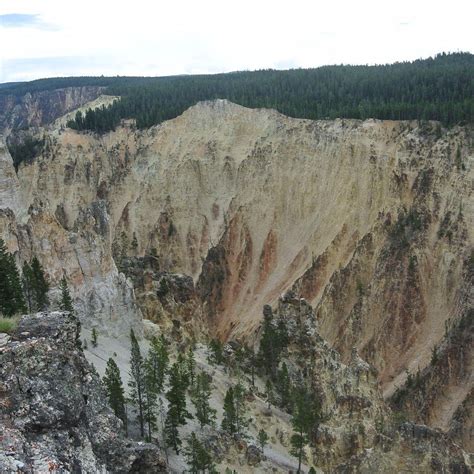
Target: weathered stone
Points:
(54, 411)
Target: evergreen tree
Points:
(11, 295)
(40, 286)
(198, 458)
(177, 413)
(306, 415)
(114, 390)
(272, 342)
(176, 394)
(66, 300)
(94, 337)
(137, 381)
(171, 429)
(200, 396)
(216, 354)
(229, 418)
(157, 364)
(262, 439)
(284, 386)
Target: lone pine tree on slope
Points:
(11, 295)
(200, 396)
(114, 390)
(66, 301)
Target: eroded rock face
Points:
(370, 221)
(41, 108)
(54, 415)
(358, 432)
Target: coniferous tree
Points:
(200, 396)
(137, 381)
(94, 337)
(177, 413)
(229, 419)
(176, 394)
(216, 355)
(171, 429)
(305, 417)
(197, 456)
(157, 363)
(262, 439)
(66, 300)
(272, 342)
(284, 386)
(11, 295)
(40, 286)
(114, 390)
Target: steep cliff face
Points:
(55, 416)
(358, 432)
(369, 221)
(41, 108)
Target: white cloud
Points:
(144, 37)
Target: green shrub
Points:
(8, 325)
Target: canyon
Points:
(204, 219)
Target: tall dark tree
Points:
(137, 381)
(198, 457)
(157, 363)
(283, 384)
(176, 394)
(305, 418)
(262, 439)
(200, 396)
(216, 354)
(114, 390)
(40, 285)
(229, 423)
(66, 301)
(177, 413)
(11, 295)
(172, 423)
(270, 343)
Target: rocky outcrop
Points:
(41, 108)
(54, 414)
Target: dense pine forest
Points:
(439, 88)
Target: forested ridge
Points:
(439, 88)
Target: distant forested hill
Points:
(440, 88)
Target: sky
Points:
(50, 38)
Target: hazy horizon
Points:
(49, 39)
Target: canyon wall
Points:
(370, 221)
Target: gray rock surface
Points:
(54, 414)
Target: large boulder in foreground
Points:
(54, 414)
